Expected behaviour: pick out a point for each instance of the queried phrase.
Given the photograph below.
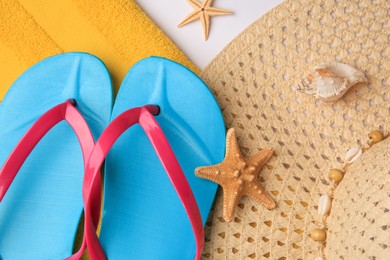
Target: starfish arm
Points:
(259, 194)
(207, 3)
(190, 18)
(211, 173)
(195, 4)
(232, 146)
(216, 11)
(205, 18)
(230, 200)
(261, 158)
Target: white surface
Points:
(189, 38)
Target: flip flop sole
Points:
(40, 213)
(143, 217)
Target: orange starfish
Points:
(203, 11)
(238, 176)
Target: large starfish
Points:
(203, 11)
(238, 176)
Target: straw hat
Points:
(359, 224)
(252, 79)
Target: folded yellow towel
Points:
(117, 31)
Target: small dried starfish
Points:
(238, 176)
(203, 11)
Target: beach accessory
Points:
(87, 26)
(358, 226)
(203, 11)
(324, 204)
(41, 205)
(252, 80)
(238, 176)
(152, 208)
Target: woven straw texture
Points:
(360, 210)
(252, 79)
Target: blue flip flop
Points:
(41, 209)
(143, 216)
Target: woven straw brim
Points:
(359, 223)
(252, 80)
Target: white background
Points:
(167, 14)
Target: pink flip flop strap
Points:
(65, 111)
(143, 116)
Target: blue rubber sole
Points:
(143, 217)
(40, 213)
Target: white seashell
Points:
(353, 154)
(318, 258)
(324, 205)
(330, 81)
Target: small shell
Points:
(353, 154)
(318, 258)
(324, 205)
(330, 81)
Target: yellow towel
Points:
(117, 31)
